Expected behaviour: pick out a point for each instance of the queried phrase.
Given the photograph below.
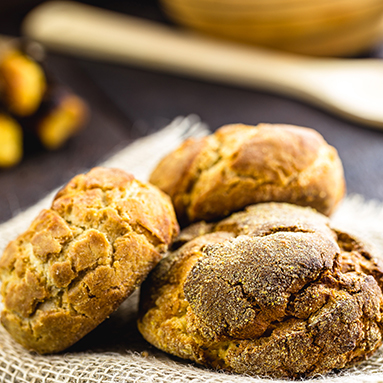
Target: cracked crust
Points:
(272, 291)
(239, 165)
(80, 259)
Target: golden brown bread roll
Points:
(272, 291)
(46, 113)
(61, 115)
(22, 82)
(80, 259)
(211, 177)
(11, 141)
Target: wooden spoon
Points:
(352, 88)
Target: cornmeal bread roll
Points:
(211, 177)
(272, 291)
(80, 259)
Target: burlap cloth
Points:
(115, 351)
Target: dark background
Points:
(128, 102)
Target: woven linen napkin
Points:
(115, 351)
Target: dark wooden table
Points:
(128, 102)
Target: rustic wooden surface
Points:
(128, 102)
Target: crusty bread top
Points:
(267, 253)
(211, 177)
(80, 259)
(273, 290)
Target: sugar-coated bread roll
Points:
(209, 178)
(81, 258)
(272, 291)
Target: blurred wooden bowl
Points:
(321, 28)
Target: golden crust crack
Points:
(80, 259)
(272, 291)
(239, 165)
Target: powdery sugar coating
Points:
(80, 259)
(270, 291)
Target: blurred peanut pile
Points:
(32, 105)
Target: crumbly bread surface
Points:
(239, 165)
(271, 291)
(80, 259)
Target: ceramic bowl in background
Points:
(321, 28)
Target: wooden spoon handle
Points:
(84, 30)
